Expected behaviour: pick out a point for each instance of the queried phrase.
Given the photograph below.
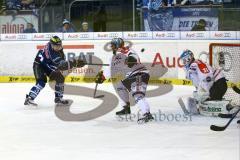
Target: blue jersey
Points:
(48, 59)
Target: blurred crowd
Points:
(156, 4)
(18, 5)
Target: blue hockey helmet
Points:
(117, 42)
(187, 57)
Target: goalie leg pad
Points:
(200, 96)
(192, 106)
(213, 108)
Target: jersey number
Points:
(203, 67)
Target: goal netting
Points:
(227, 56)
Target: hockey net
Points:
(227, 57)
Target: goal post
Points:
(227, 57)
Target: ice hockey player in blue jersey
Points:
(49, 62)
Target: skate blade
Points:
(31, 104)
(143, 121)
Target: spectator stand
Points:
(166, 15)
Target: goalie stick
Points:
(183, 106)
(232, 116)
(222, 128)
(229, 115)
(221, 115)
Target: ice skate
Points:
(29, 101)
(146, 118)
(63, 102)
(126, 110)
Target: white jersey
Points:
(203, 75)
(118, 64)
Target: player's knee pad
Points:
(138, 89)
(200, 96)
(213, 108)
(138, 97)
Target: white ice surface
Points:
(37, 134)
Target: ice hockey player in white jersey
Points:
(210, 86)
(125, 61)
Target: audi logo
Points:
(142, 35)
(170, 35)
(113, 35)
(84, 36)
(227, 35)
(22, 37)
(200, 35)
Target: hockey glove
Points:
(78, 62)
(65, 65)
(100, 78)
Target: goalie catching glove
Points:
(66, 65)
(100, 78)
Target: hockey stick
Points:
(221, 115)
(229, 115)
(97, 64)
(95, 91)
(183, 106)
(222, 128)
(236, 89)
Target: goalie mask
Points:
(187, 58)
(56, 43)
